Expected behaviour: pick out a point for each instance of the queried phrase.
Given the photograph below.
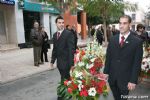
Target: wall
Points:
(45, 22)
(10, 24)
(19, 25)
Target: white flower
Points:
(93, 59)
(80, 86)
(92, 91)
(80, 64)
(80, 82)
(68, 83)
(78, 74)
(89, 66)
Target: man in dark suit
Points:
(63, 47)
(123, 60)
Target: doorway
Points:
(3, 39)
(29, 18)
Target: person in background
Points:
(68, 27)
(45, 45)
(114, 30)
(37, 40)
(99, 35)
(109, 33)
(146, 36)
(73, 30)
(141, 34)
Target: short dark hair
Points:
(59, 17)
(126, 16)
(67, 26)
(139, 26)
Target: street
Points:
(43, 86)
(37, 87)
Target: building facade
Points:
(17, 17)
(7, 22)
(138, 17)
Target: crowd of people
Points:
(111, 31)
(40, 43)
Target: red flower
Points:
(93, 70)
(98, 62)
(65, 82)
(101, 84)
(84, 93)
(99, 90)
(93, 83)
(74, 86)
(70, 90)
(82, 52)
(83, 81)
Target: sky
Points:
(142, 3)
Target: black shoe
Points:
(36, 65)
(59, 98)
(41, 62)
(46, 60)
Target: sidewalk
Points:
(18, 64)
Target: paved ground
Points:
(36, 87)
(43, 86)
(17, 64)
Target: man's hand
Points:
(72, 67)
(105, 76)
(131, 86)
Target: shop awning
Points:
(8, 2)
(40, 7)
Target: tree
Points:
(108, 10)
(62, 5)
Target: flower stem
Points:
(73, 97)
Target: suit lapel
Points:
(127, 41)
(117, 41)
(62, 34)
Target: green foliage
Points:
(62, 91)
(106, 9)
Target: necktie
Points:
(122, 41)
(58, 35)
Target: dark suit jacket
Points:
(123, 63)
(63, 50)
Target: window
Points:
(133, 17)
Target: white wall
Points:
(45, 22)
(53, 24)
(19, 25)
(10, 24)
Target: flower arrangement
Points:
(87, 82)
(145, 68)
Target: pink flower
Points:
(65, 82)
(70, 90)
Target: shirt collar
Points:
(125, 36)
(60, 31)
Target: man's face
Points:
(36, 25)
(60, 24)
(124, 25)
